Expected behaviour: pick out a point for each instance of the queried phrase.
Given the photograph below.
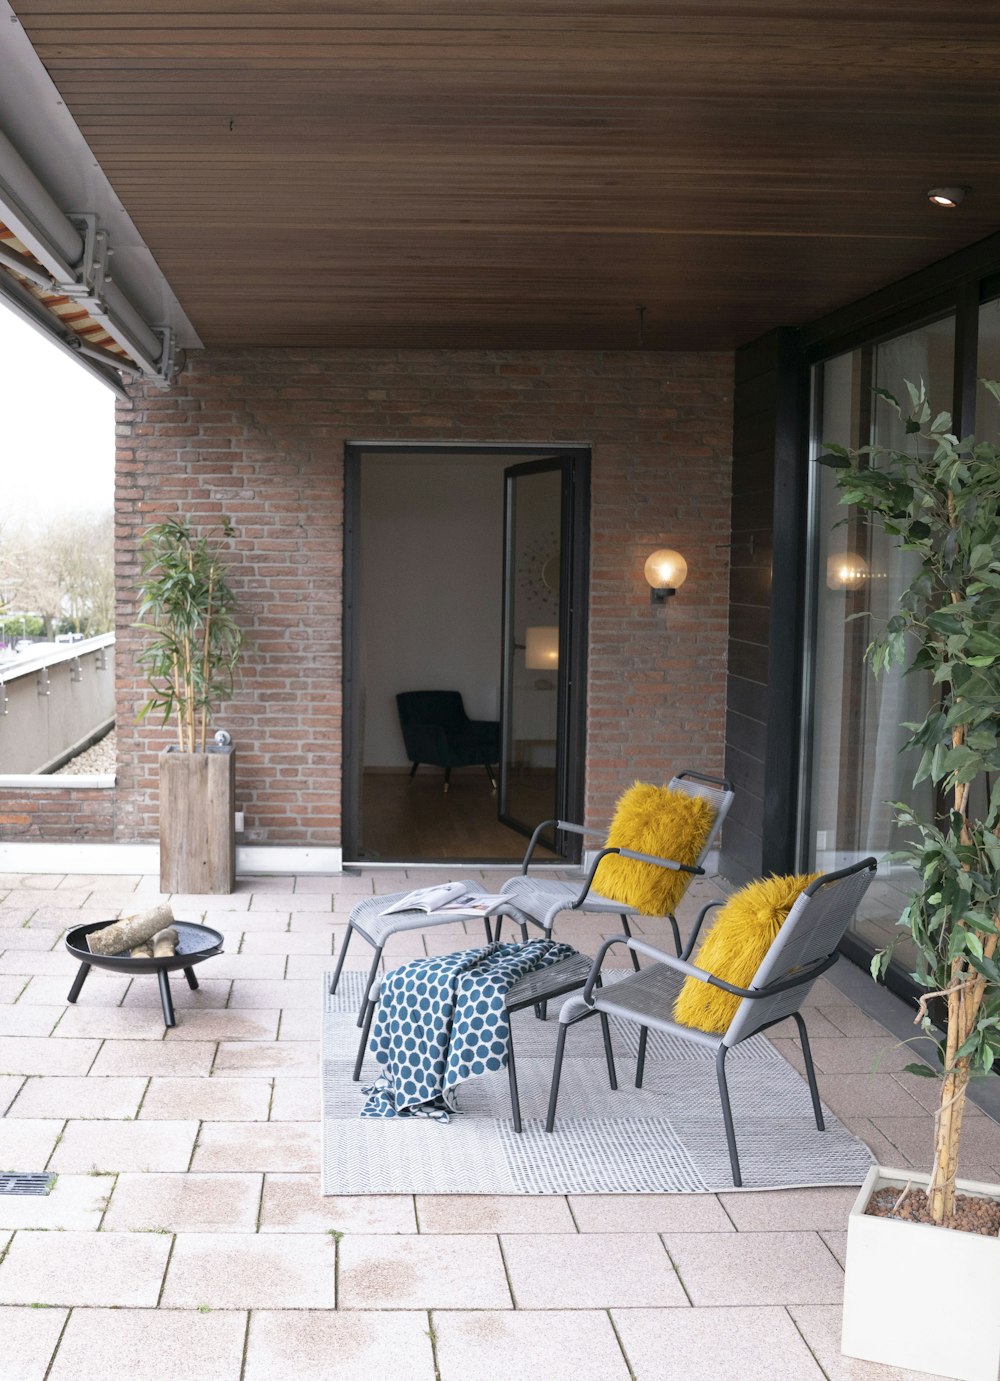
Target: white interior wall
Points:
(431, 574)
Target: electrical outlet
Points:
(239, 822)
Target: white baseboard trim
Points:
(118, 860)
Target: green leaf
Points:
(922, 1071)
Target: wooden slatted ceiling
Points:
(437, 174)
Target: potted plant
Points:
(941, 500)
(187, 606)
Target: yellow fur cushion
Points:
(653, 820)
(734, 948)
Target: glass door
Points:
(540, 646)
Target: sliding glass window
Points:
(855, 722)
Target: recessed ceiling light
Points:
(947, 196)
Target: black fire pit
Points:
(194, 943)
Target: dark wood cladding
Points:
(418, 175)
(765, 612)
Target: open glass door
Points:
(543, 654)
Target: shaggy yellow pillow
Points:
(653, 820)
(734, 948)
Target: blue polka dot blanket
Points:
(442, 1020)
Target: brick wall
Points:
(63, 813)
(259, 435)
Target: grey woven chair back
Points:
(719, 797)
(812, 930)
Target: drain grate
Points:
(26, 1184)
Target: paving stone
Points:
(310, 1346)
(269, 967)
(556, 1345)
(64, 1096)
(266, 1058)
(109, 1146)
(291, 901)
(75, 1203)
(235, 924)
(592, 1271)
(293, 1203)
(287, 993)
(859, 1055)
(649, 1213)
(127, 1023)
(215, 1100)
(157, 1345)
(183, 1058)
(11, 987)
(296, 1100)
(256, 1025)
(22, 1019)
(22, 937)
(100, 990)
(849, 1095)
(26, 1145)
(30, 882)
(209, 903)
(48, 963)
(714, 1345)
(783, 1210)
(84, 1268)
(39, 1055)
(287, 942)
(184, 1203)
(56, 899)
(756, 1268)
(300, 1024)
(243, 1271)
(10, 1086)
(258, 1146)
(382, 1272)
(494, 1213)
(29, 1337)
(211, 993)
(820, 1325)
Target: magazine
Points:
(448, 898)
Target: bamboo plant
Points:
(187, 605)
(941, 501)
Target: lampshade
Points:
(541, 649)
(665, 569)
(846, 571)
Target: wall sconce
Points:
(846, 571)
(541, 650)
(666, 571)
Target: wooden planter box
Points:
(197, 824)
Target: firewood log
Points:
(165, 943)
(129, 933)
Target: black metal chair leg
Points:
(608, 1055)
(515, 1102)
(363, 1043)
(640, 1063)
(78, 982)
(413, 770)
(489, 773)
(676, 930)
(727, 1115)
(490, 937)
(372, 975)
(340, 960)
(166, 1000)
(550, 1118)
(810, 1072)
(628, 932)
(189, 974)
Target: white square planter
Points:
(918, 1296)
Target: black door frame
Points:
(575, 725)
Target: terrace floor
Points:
(186, 1236)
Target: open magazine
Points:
(448, 898)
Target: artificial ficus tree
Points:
(187, 605)
(941, 501)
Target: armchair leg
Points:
(727, 1115)
(340, 960)
(413, 770)
(608, 1053)
(550, 1119)
(372, 975)
(628, 932)
(640, 1063)
(363, 1043)
(810, 1072)
(489, 773)
(515, 1102)
(447, 778)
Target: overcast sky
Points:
(57, 428)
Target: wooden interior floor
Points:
(417, 821)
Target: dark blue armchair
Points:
(437, 730)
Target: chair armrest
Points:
(566, 825)
(649, 950)
(699, 922)
(795, 980)
(641, 858)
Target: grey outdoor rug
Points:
(666, 1137)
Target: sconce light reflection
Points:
(541, 649)
(846, 571)
(665, 570)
